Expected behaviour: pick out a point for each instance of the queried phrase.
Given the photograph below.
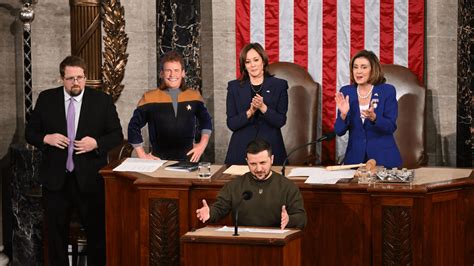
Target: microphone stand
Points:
(289, 154)
(245, 196)
(324, 137)
(236, 226)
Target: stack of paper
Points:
(139, 165)
(319, 175)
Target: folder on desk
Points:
(182, 166)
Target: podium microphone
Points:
(327, 136)
(245, 196)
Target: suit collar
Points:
(77, 98)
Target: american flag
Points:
(322, 35)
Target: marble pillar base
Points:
(27, 240)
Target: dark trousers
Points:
(91, 209)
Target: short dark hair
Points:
(376, 74)
(243, 56)
(172, 56)
(72, 61)
(258, 145)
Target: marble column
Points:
(27, 206)
(465, 123)
(178, 27)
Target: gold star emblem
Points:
(188, 107)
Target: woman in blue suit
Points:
(368, 109)
(257, 104)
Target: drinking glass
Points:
(363, 174)
(204, 170)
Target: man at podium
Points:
(261, 196)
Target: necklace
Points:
(365, 96)
(256, 90)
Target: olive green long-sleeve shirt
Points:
(264, 208)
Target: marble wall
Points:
(51, 43)
(441, 81)
(10, 34)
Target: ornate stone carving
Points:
(164, 232)
(115, 47)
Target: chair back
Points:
(303, 109)
(410, 133)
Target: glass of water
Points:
(204, 170)
(363, 174)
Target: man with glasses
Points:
(74, 126)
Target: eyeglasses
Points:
(74, 79)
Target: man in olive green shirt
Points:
(275, 202)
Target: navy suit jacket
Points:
(266, 126)
(371, 140)
(98, 119)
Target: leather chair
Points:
(303, 111)
(410, 133)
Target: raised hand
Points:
(284, 217)
(342, 104)
(203, 213)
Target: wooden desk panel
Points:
(207, 247)
(348, 223)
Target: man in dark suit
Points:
(74, 126)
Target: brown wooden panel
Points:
(338, 230)
(164, 213)
(122, 222)
(210, 254)
(468, 213)
(164, 231)
(444, 233)
(396, 235)
(348, 224)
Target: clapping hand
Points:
(257, 103)
(369, 114)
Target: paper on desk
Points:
(139, 165)
(236, 170)
(319, 175)
(252, 230)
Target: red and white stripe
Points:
(322, 35)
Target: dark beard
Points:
(73, 92)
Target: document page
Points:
(236, 170)
(139, 165)
(319, 175)
(253, 230)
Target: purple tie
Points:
(71, 134)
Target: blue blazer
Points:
(266, 126)
(371, 140)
